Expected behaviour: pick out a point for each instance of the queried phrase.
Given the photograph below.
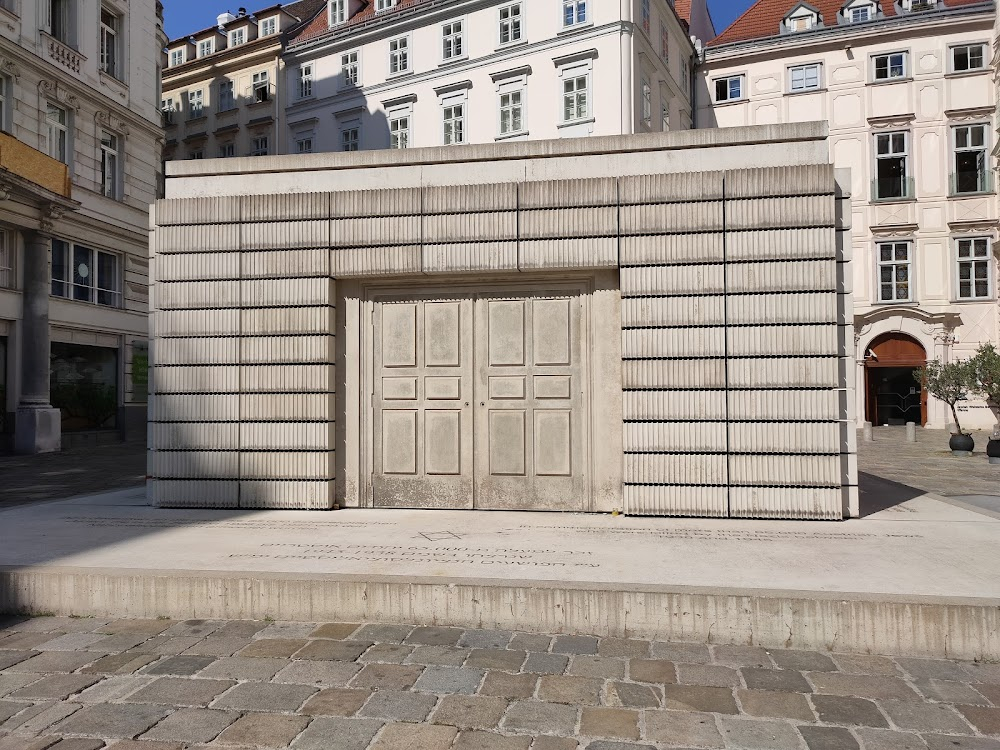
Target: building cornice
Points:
(871, 32)
(219, 63)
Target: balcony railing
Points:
(34, 166)
(893, 189)
(971, 183)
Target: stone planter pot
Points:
(993, 451)
(961, 445)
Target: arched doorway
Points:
(892, 394)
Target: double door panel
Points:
(478, 403)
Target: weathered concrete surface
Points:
(918, 578)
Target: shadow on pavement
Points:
(878, 494)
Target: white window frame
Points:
(400, 52)
(112, 150)
(646, 14)
(168, 110)
(575, 13)
(8, 278)
(260, 81)
(267, 26)
(238, 36)
(177, 57)
(974, 261)
(804, 68)
(514, 22)
(304, 83)
(664, 43)
(808, 19)
(867, 7)
(196, 104)
(893, 153)
(893, 263)
(664, 115)
(227, 95)
(6, 103)
(904, 56)
(347, 64)
(58, 135)
(454, 113)
(646, 96)
(111, 43)
(349, 137)
(206, 47)
(62, 20)
(260, 145)
(384, 5)
(88, 293)
(336, 12)
(984, 149)
(983, 54)
(742, 96)
(400, 127)
(575, 72)
(453, 45)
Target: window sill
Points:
(508, 45)
(401, 74)
(566, 30)
(730, 102)
(977, 194)
(890, 81)
(967, 73)
(884, 201)
(896, 303)
(113, 81)
(512, 136)
(973, 300)
(304, 99)
(571, 123)
(453, 61)
(820, 90)
(196, 120)
(224, 112)
(263, 103)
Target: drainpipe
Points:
(626, 47)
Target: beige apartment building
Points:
(79, 166)
(221, 92)
(909, 93)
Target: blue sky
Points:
(185, 16)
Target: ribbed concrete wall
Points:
(733, 338)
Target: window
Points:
(350, 70)
(891, 66)
(975, 273)
(576, 98)
(452, 40)
(665, 117)
(968, 57)
(176, 57)
(664, 43)
(61, 21)
(399, 55)
(892, 178)
(261, 89)
(57, 133)
(237, 37)
(268, 26)
(384, 5)
(197, 154)
(227, 96)
(860, 14)
(647, 101)
(196, 100)
(84, 274)
(305, 81)
(109, 42)
(729, 89)
(685, 74)
(454, 124)
(510, 23)
(801, 23)
(258, 145)
(167, 108)
(206, 47)
(338, 12)
(804, 77)
(574, 12)
(971, 148)
(645, 16)
(399, 131)
(227, 150)
(894, 271)
(6, 282)
(110, 165)
(304, 145)
(511, 112)
(349, 139)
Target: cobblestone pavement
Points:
(85, 684)
(928, 464)
(82, 471)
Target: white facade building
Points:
(908, 91)
(79, 166)
(421, 73)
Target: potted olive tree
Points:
(984, 379)
(949, 382)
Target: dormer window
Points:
(176, 57)
(237, 36)
(206, 47)
(384, 5)
(267, 26)
(916, 6)
(802, 18)
(338, 12)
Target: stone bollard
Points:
(911, 432)
(866, 431)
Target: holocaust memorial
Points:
(651, 324)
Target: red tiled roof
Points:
(763, 18)
(320, 24)
(683, 8)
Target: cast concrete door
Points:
(423, 404)
(530, 391)
(478, 402)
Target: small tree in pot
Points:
(984, 379)
(949, 382)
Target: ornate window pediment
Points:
(56, 92)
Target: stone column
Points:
(37, 426)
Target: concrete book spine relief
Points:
(666, 344)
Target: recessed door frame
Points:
(580, 285)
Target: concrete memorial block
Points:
(583, 252)
(815, 503)
(196, 266)
(298, 436)
(804, 307)
(668, 311)
(196, 351)
(227, 209)
(284, 407)
(689, 341)
(346, 262)
(288, 464)
(194, 408)
(284, 293)
(199, 436)
(676, 500)
(809, 242)
(201, 238)
(188, 295)
(309, 495)
(677, 280)
(284, 264)
(287, 320)
(670, 437)
(285, 207)
(277, 235)
(194, 379)
(286, 378)
(686, 374)
(672, 468)
(780, 276)
(496, 226)
(473, 256)
(188, 464)
(183, 323)
(685, 405)
(261, 350)
(791, 437)
(675, 249)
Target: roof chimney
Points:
(225, 18)
(241, 12)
